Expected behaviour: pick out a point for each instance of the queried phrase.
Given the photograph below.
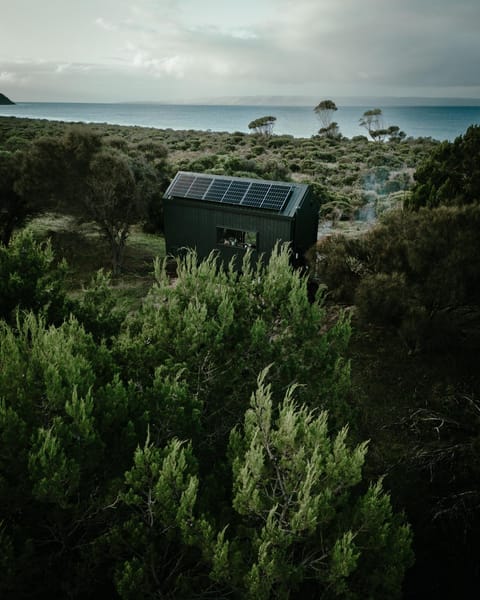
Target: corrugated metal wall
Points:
(194, 225)
(306, 225)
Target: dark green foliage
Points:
(94, 180)
(94, 479)
(111, 200)
(337, 262)
(383, 298)
(298, 484)
(31, 279)
(98, 309)
(211, 315)
(415, 272)
(263, 125)
(451, 176)
(14, 208)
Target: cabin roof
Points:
(277, 197)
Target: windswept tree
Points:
(324, 111)
(372, 121)
(263, 125)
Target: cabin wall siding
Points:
(193, 225)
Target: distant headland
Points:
(5, 100)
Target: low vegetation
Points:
(207, 436)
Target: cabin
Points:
(234, 214)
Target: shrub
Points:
(31, 279)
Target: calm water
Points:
(439, 122)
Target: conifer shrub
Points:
(31, 279)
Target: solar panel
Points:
(217, 190)
(182, 184)
(275, 197)
(255, 194)
(236, 192)
(198, 188)
(267, 196)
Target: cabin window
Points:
(236, 238)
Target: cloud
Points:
(13, 78)
(107, 26)
(262, 47)
(7, 77)
(171, 66)
(64, 68)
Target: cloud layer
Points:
(169, 49)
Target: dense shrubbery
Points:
(415, 271)
(451, 175)
(132, 463)
(338, 165)
(126, 468)
(416, 274)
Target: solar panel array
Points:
(267, 196)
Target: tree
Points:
(298, 522)
(372, 121)
(325, 111)
(111, 201)
(395, 134)
(263, 125)
(90, 180)
(219, 329)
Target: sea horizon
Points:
(441, 122)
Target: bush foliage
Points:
(137, 466)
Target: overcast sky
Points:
(167, 50)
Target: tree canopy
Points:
(263, 125)
(324, 110)
(92, 180)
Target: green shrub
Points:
(31, 279)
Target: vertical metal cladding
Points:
(233, 214)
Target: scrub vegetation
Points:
(188, 430)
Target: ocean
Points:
(438, 122)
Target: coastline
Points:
(437, 122)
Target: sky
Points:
(192, 50)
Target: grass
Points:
(86, 252)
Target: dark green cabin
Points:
(233, 214)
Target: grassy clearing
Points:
(86, 252)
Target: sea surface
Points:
(438, 122)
